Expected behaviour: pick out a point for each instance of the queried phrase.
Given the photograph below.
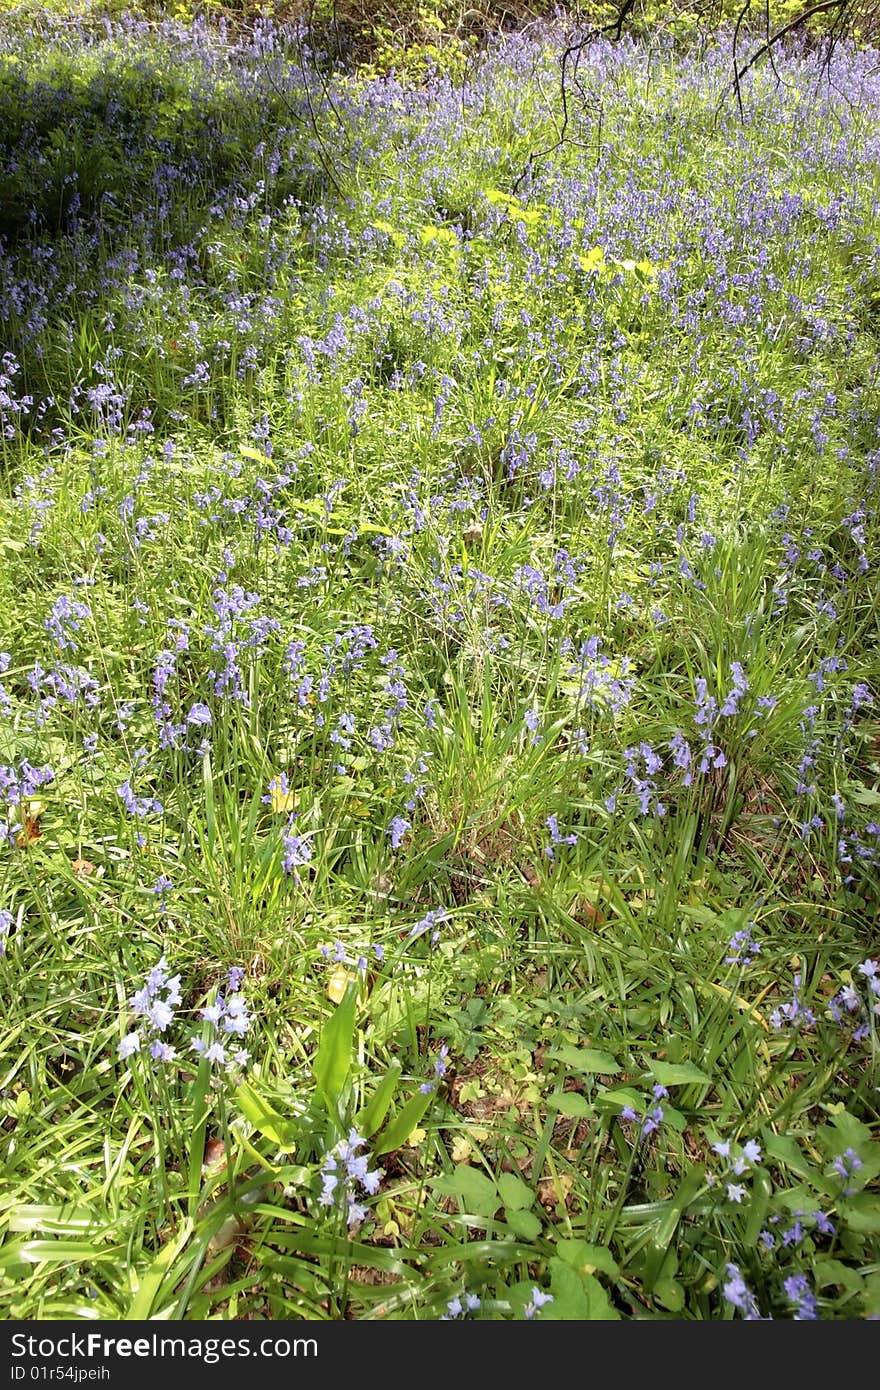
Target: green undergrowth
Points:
(438, 587)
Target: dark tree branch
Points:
(570, 56)
(740, 19)
(769, 43)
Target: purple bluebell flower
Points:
(297, 851)
(556, 838)
(343, 1172)
(742, 947)
(538, 1300)
(432, 921)
(397, 831)
(736, 1291)
(798, 1292)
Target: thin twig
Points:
(571, 53)
(775, 38)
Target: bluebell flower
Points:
(742, 947)
(397, 831)
(432, 921)
(297, 851)
(736, 1291)
(538, 1300)
(552, 823)
(344, 1171)
(798, 1292)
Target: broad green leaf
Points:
(670, 1293)
(472, 1189)
(515, 1194)
(657, 1258)
(673, 1119)
(569, 1298)
(758, 1205)
(524, 1224)
(401, 1126)
(618, 1097)
(332, 1061)
(678, 1074)
(63, 1251)
(142, 1301)
(578, 1297)
(373, 1114)
(570, 1103)
(788, 1152)
(587, 1059)
(853, 1132)
(200, 1111)
(587, 1258)
(827, 1271)
(263, 1118)
(862, 1214)
(53, 1220)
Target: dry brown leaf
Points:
(553, 1191)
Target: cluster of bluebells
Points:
(793, 1013)
(382, 736)
(801, 1297)
(789, 1234)
(705, 718)
(431, 922)
(138, 806)
(738, 1160)
(398, 831)
(238, 634)
(212, 306)
(18, 785)
(850, 1011)
(413, 778)
(6, 923)
(642, 766)
(346, 1176)
(737, 1293)
(845, 1166)
(338, 954)
(298, 850)
(460, 1307)
(604, 683)
(539, 591)
(556, 837)
(226, 1021)
(536, 1302)
(198, 718)
(649, 1119)
(66, 618)
(155, 1004)
(742, 947)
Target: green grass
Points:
(476, 504)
